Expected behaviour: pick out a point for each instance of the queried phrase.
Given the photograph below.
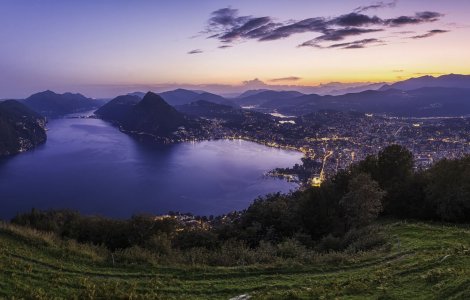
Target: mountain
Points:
(51, 104)
(21, 128)
(118, 108)
(151, 116)
(137, 94)
(230, 117)
(251, 93)
(257, 99)
(424, 102)
(357, 89)
(448, 81)
(206, 109)
(182, 96)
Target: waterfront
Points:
(90, 166)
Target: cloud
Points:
(290, 78)
(245, 30)
(359, 44)
(341, 34)
(377, 5)
(224, 46)
(253, 83)
(355, 19)
(398, 71)
(306, 25)
(225, 17)
(195, 51)
(418, 18)
(429, 34)
(228, 26)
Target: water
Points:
(90, 166)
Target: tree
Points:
(448, 189)
(363, 202)
(394, 163)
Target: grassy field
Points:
(425, 261)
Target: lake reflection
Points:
(90, 166)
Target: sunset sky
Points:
(100, 48)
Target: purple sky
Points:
(102, 48)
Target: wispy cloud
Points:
(359, 44)
(195, 51)
(429, 34)
(283, 79)
(228, 26)
(375, 6)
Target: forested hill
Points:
(20, 128)
(51, 104)
(151, 116)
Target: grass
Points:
(426, 261)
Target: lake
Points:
(90, 166)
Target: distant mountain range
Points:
(182, 96)
(51, 104)
(447, 81)
(426, 96)
(21, 128)
(230, 116)
(423, 102)
(260, 97)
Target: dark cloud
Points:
(418, 18)
(355, 19)
(227, 26)
(358, 44)
(290, 78)
(341, 34)
(226, 17)
(195, 51)
(306, 25)
(429, 34)
(224, 46)
(349, 45)
(377, 5)
(245, 30)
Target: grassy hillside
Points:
(423, 261)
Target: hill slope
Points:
(151, 116)
(425, 262)
(424, 102)
(448, 81)
(182, 96)
(51, 104)
(20, 128)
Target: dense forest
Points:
(342, 215)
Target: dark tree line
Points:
(331, 217)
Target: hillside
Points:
(447, 81)
(51, 104)
(423, 102)
(182, 96)
(259, 98)
(118, 108)
(151, 116)
(424, 261)
(21, 129)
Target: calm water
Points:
(90, 166)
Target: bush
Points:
(135, 255)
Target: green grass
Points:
(426, 261)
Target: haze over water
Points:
(90, 166)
